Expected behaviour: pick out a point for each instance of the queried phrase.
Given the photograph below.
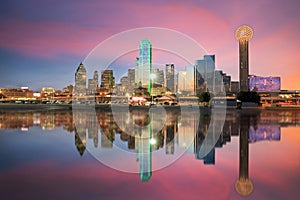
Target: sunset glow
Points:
(39, 40)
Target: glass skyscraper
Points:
(144, 67)
(206, 68)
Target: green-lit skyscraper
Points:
(144, 67)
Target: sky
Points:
(43, 42)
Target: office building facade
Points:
(80, 80)
(170, 82)
(144, 66)
(107, 79)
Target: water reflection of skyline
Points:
(177, 132)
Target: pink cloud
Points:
(273, 47)
(47, 39)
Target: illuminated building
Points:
(186, 81)
(243, 34)
(92, 86)
(190, 80)
(80, 80)
(144, 67)
(124, 81)
(123, 89)
(68, 89)
(16, 93)
(170, 77)
(131, 80)
(181, 82)
(158, 76)
(157, 89)
(96, 78)
(263, 84)
(48, 91)
(136, 73)
(107, 79)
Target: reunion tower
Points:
(243, 34)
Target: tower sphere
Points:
(244, 187)
(244, 33)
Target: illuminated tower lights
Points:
(144, 68)
(243, 34)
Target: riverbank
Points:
(12, 106)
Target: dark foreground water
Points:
(138, 154)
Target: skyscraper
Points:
(186, 81)
(219, 85)
(144, 67)
(181, 85)
(136, 72)
(206, 68)
(210, 71)
(170, 77)
(234, 87)
(107, 79)
(200, 85)
(124, 85)
(93, 84)
(80, 80)
(243, 34)
(227, 83)
(190, 79)
(131, 80)
(159, 76)
(96, 78)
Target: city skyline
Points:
(47, 51)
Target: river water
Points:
(156, 154)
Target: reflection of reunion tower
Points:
(243, 34)
(243, 184)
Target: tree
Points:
(249, 96)
(204, 97)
